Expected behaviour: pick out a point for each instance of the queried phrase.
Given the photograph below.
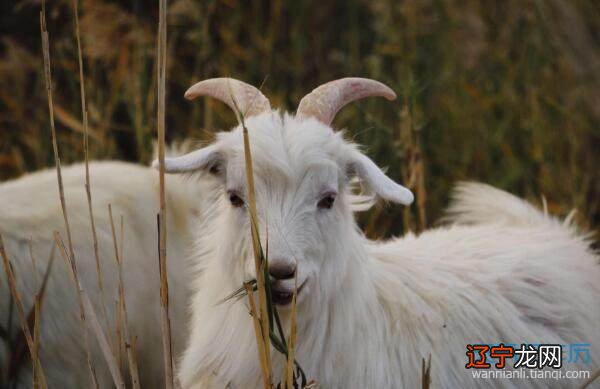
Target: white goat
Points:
(30, 209)
(368, 312)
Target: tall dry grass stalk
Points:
(33, 262)
(162, 216)
(48, 80)
(133, 366)
(260, 344)
(426, 373)
(291, 342)
(36, 343)
(119, 342)
(118, 345)
(87, 310)
(17, 356)
(86, 147)
(36, 316)
(414, 170)
(266, 317)
(124, 337)
(109, 357)
(260, 262)
(71, 265)
(16, 298)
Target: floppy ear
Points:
(371, 176)
(208, 158)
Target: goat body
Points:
(30, 210)
(369, 312)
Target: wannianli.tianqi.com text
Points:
(530, 374)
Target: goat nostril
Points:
(282, 272)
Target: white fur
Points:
(370, 311)
(30, 208)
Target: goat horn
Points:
(238, 95)
(324, 102)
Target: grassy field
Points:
(503, 92)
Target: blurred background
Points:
(503, 92)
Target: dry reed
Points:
(264, 317)
(260, 262)
(132, 356)
(162, 216)
(291, 343)
(113, 367)
(260, 344)
(414, 170)
(71, 265)
(124, 337)
(16, 298)
(86, 146)
(426, 373)
(267, 313)
(33, 262)
(119, 342)
(48, 80)
(118, 345)
(41, 291)
(20, 343)
(36, 343)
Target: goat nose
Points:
(282, 270)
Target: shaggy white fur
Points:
(368, 312)
(30, 209)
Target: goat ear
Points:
(208, 158)
(372, 176)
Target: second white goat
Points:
(30, 212)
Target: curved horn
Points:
(238, 95)
(324, 102)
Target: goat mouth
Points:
(284, 296)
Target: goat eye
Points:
(326, 202)
(236, 200)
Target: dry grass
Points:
(33, 261)
(86, 148)
(260, 261)
(291, 342)
(37, 378)
(70, 263)
(260, 343)
(162, 216)
(112, 363)
(263, 316)
(48, 79)
(504, 94)
(266, 317)
(16, 298)
(124, 338)
(413, 172)
(18, 345)
(426, 373)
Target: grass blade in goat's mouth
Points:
(238, 294)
